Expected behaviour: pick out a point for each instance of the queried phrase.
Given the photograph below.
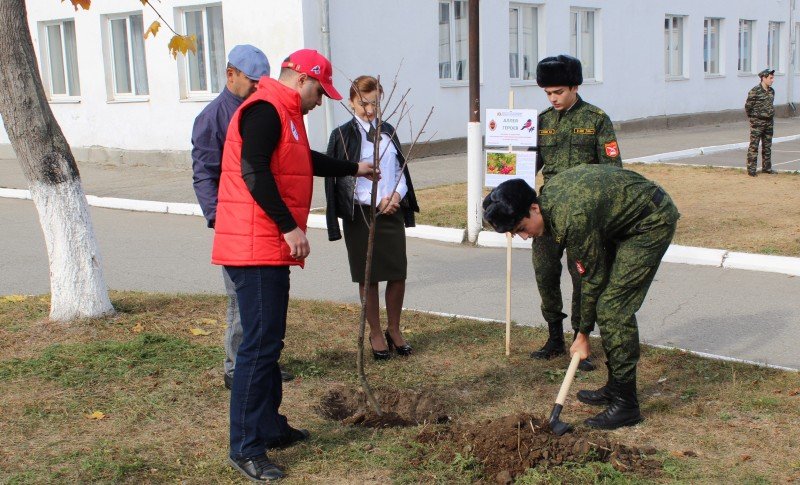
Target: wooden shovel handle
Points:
(573, 366)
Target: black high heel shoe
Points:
(404, 350)
(380, 354)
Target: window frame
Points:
(779, 67)
(751, 52)
(535, 56)
(597, 76)
(451, 80)
(720, 47)
(46, 67)
(108, 39)
(682, 63)
(186, 94)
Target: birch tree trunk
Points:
(77, 287)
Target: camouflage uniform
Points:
(615, 225)
(580, 135)
(761, 111)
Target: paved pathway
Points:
(742, 314)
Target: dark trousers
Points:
(263, 294)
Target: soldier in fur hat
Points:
(571, 132)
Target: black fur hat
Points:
(508, 204)
(561, 70)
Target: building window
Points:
(453, 40)
(582, 39)
(673, 44)
(126, 59)
(60, 58)
(774, 47)
(523, 42)
(205, 72)
(711, 37)
(746, 46)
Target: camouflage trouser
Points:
(760, 131)
(547, 266)
(634, 263)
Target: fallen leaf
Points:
(199, 331)
(137, 328)
(676, 454)
(14, 298)
(96, 415)
(689, 453)
(153, 29)
(207, 321)
(182, 44)
(662, 380)
(745, 457)
(794, 392)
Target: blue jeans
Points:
(263, 294)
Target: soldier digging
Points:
(615, 226)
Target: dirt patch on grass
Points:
(509, 445)
(399, 408)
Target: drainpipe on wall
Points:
(326, 51)
(792, 61)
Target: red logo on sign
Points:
(612, 150)
(580, 267)
(492, 125)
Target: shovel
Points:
(559, 427)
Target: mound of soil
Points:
(509, 445)
(399, 408)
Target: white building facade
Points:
(121, 98)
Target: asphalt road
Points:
(741, 314)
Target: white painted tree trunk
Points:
(76, 274)
(77, 286)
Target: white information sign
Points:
(506, 165)
(511, 127)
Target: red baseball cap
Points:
(315, 65)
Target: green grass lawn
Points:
(164, 408)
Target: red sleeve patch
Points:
(612, 150)
(580, 267)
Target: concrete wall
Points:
(369, 37)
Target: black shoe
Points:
(404, 350)
(586, 365)
(257, 468)
(291, 437)
(554, 346)
(286, 376)
(600, 397)
(768, 171)
(752, 174)
(379, 354)
(623, 410)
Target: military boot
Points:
(600, 397)
(555, 343)
(623, 410)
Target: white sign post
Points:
(510, 128)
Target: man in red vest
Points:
(264, 200)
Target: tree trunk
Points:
(77, 286)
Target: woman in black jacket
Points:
(348, 198)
